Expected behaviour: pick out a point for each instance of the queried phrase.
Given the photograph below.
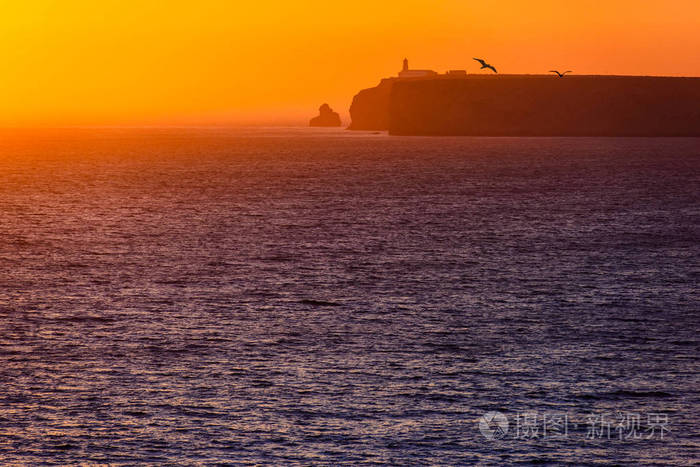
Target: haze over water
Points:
(296, 296)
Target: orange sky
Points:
(153, 62)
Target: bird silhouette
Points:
(485, 65)
(561, 75)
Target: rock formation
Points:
(532, 105)
(370, 107)
(326, 117)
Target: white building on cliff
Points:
(407, 73)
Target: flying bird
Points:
(485, 65)
(561, 75)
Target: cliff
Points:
(533, 105)
(370, 107)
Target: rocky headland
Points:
(531, 105)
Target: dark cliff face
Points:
(521, 105)
(370, 107)
(326, 117)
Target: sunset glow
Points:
(125, 62)
(327, 232)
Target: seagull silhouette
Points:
(561, 75)
(485, 65)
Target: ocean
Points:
(281, 296)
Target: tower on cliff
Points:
(408, 73)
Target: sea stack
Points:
(326, 117)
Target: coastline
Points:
(531, 105)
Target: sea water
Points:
(294, 296)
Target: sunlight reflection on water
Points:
(272, 296)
